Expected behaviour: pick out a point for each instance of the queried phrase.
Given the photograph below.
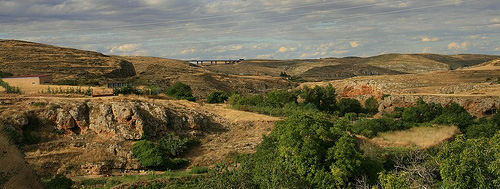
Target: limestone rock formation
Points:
(125, 120)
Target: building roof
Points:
(25, 76)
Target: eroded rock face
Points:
(125, 120)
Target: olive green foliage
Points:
(79, 82)
(482, 128)
(393, 180)
(199, 170)
(279, 98)
(423, 112)
(59, 182)
(323, 98)
(149, 154)
(371, 105)
(163, 154)
(8, 88)
(276, 103)
(5, 74)
(217, 97)
(454, 114)
(371, 127)
(471, 163)
(71, 90)
(180, 91)
(129, 89)
(174, 145)
(302, 151)
(347, 105)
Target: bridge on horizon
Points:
(214, 62)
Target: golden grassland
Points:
(423, 137)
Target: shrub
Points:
(371, 105)
(454, 114)
(174, 145)
(278, 98)
(199, 170)
(347, 105)
(5, 74)
(217, 97)
(423, 112)
(180, 91)
(324, 98)
(59, 182)
(149, 154)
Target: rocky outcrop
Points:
(125, 120)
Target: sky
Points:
(264, 29)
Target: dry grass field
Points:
(423, 137)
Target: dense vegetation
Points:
(129, 89)
(305, 100)
(180, 91)
(317, 149)
(217, 97)
(164, 154)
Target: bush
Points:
(348, 105)
(180, 91)
(454, 114)
(278, 98)
(174, 145)
(323, 98)
(217, 97)
(371, 105)
(5, 74)
(423, 112)
(199, 170)
(59, 182)
(149, 154)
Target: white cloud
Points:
(340, 52)
(236, 47)
(188, 51)
(125, 48)
(309, 55)
(283, 49)
(497, 49)
(427, 39)
(458, 46)
(495, 20)
(478, 37)
(354, 44)
(293, 48)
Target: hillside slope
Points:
(28, 58)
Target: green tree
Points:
(371, 105)
(423, 112)
(217, 97)
(180, 91)
(454, 114)
(324, 98)
(347, 105)
(278, 98)
(470, 163)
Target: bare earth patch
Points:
(423, 137)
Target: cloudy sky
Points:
(279, 29)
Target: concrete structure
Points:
(214, 62)
(28, 80)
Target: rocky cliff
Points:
(91, 137)
(124, 120)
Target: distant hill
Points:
(341, 68)
(27, 58)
